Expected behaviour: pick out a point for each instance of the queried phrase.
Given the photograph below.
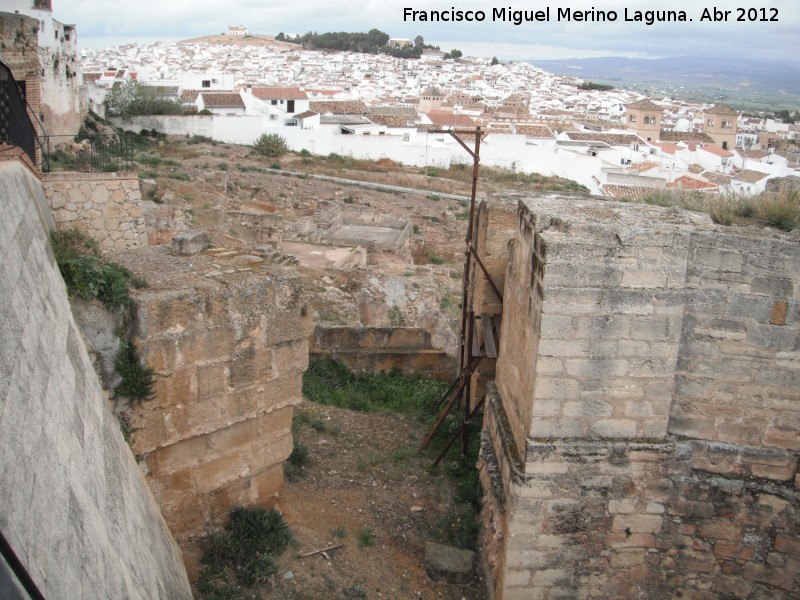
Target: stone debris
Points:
(448, 563)
(189, 243)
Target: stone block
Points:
(206, 345)
(721, 530)
(189, 243)
(637, 523)
(614, 428)
(447, 563)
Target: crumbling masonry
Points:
(642, 429)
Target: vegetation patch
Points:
(328, 381)
(780, 210)
(86, 273)
(137, 380)
(270, 145)
(244, 553)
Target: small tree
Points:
(454, 53)
(270, 145)
(495, 61)
(419, 41)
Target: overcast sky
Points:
(101, 24)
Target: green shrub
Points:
(270, 145)
(248, 546)
(84, 271)
(396, 317)
(365, 537)
(137, 380)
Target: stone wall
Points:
(73, 504)
(377, 349)
(107, 206)
(642, 437)
(228, 351)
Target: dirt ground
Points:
(366, 490)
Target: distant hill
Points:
(720, 76)
(239, 40)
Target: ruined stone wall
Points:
(377, 349)
(73, 504)
(260, 228)
(659, 424)
(108, 207)
(228, 353)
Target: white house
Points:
(279, 104)
(221, 103)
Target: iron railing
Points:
(16, 127)
(95, 153)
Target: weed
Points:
(137, 380)
(434, 197)
(396, 317)
(84, 271)
(275, 165)
(434, 219)
(348, 200)
(433, 258)
(355, 591)
(306, 418)
(462, 216)
(125, 427)
(340, 532)
(222, 166)
(244, 552)
(148, 175)
(408, 273)
(328, 381)
(446, 302)
(366, 537)
(179, 175)
(416, 229)
(305, 153)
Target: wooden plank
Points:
(476, 345)
(488, 336)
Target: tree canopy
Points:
(133, 98)
(373, 41)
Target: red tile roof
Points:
(717, 151)
(721, 109)
(751, 176)
(685, 136)
(279, 93)
(628, 192)
(612, 139)
(644, 104)
(690, 183)
(222, 100)
(535, 131)
(338, 107)
(441, 117)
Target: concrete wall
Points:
(642, 436)
(107, 206)
(228, 353)
(509, 151)
(73, 503)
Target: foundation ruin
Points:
(642, 420)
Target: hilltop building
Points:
(720, 123)
(644, 117)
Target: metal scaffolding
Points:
(471, 351)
